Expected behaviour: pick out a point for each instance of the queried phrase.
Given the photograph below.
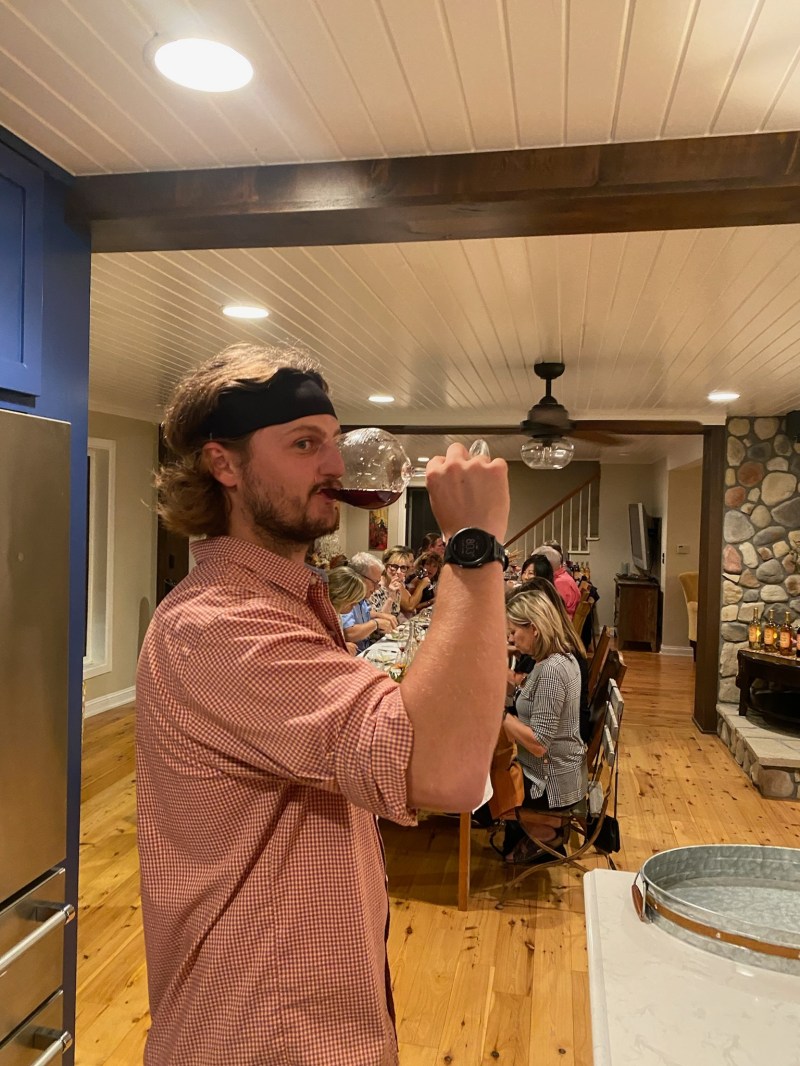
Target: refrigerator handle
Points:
(54, 1042)
(64, 913)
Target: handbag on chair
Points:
(508, 784)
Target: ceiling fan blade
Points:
(596, 436)
(445, 431)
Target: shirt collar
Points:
(296, 578)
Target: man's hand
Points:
(468, 490)
(385, 624)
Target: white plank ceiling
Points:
(647, 323)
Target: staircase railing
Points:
(572, 521)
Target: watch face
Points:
(472, 544)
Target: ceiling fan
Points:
(547, 426)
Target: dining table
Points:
(391, 654)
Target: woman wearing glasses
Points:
(391, 595)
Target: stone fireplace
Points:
(760, 569)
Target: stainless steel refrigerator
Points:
(34, 586)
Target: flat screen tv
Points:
(643, 529)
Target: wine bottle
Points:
(786, 636)
(754, 632)
(770, 631)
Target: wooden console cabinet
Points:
(637, 611)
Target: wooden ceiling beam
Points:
(635, 427)
(649, 185)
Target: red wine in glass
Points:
(367, 498)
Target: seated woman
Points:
(546, 728)
(427, 568)
(537, 566)
(346, 588)
(391, 595)
(432, 542)
(534, 566)
(525, 663)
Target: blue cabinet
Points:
(21, 273)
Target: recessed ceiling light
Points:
(381, 399)
(723, 396)
(423, 458)
(245, 311)
(207, 66)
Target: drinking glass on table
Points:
(377, 469)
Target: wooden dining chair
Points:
(581, 825)
(598, 660)
(582, 612)
(614, 670)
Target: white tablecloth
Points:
(657, 1001)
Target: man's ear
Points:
(222, 463)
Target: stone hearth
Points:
(768, 754)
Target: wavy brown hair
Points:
(191, 501)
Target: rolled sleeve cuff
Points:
(372, 771)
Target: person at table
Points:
(388, 596)
(545, 728)
(562, 578)
(346, 588)
(537, 565)
(363, 623)
(432, 542)
(574, 641)
(427, 568)
(266, 754)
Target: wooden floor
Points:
(487, 986)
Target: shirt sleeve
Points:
(284, 700)
(349, 619)
(541, 702)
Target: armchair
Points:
(690, 582)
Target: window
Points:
(99, 557)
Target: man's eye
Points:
(304, 445)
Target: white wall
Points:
(683, 528)
(619, 486)
(134, 575)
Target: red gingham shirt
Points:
(264, 753)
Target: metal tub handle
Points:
(64, 913)
(640, 897)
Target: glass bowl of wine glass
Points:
(376, 467)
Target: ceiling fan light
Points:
(547, 454)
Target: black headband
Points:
(247, 406)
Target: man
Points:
(363, 622)
(562, 579)
(265, 752)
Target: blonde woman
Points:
(389, 595)
(393, 593)
(346, 588)
(545, 725)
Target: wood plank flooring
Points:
(488, 986)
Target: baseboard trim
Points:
(675, 649)
(109, 702)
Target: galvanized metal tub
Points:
(740, 901)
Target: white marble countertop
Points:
(657, 1001)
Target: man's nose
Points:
(331, 462)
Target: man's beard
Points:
(275, 521)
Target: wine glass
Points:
(377, 469)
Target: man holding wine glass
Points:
(265, 752)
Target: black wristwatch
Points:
(473, 547)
